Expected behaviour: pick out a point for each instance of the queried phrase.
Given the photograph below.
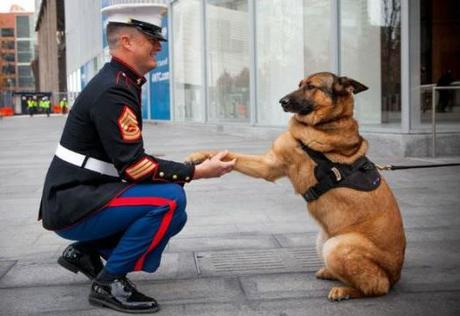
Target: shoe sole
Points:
(101, 303)
(72, 268)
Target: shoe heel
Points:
(63, 263)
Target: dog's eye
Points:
(309, 86)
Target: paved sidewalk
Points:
(248, 247)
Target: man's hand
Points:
(214, 167)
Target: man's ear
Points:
(345, 85)
(125, 41)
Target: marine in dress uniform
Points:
(104, 191)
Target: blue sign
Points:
(159, 80)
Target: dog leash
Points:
(391, 167)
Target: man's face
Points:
(145, 50)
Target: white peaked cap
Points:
(145, 12)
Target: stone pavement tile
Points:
(28, 252)
(49, 238)
(297, 239)
(173, 310)
(228, 218)
(5, 266)
(443, 233)
(223, 242)
(287, 285)
(431, 221)
(207, 230)
(279, 228)
(28, 300)
(424, 197)
(49, 273)
(429, 279)
(438, 254)
(394, 304)
(202, 290)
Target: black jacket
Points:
(105, 123)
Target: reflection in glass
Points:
(288, 49)
(188, 102)
(228, 60)
(370, 53)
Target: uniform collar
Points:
(132, 74)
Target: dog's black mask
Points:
(292, 103)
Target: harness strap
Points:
(332, 175)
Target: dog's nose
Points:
(284, 101)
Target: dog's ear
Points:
(345, 84)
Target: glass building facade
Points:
(232, 60)
(229, 62)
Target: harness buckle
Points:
(337, 174)
(310, 195)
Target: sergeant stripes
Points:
(128, 125)
(141, 168)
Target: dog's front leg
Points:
(265, 166)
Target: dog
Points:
(361, 240)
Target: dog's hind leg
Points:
(352, 259)
(323, 273)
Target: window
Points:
(371, 54)
(7, 32)
(26, 81)
(228, 60)
(188, 77)
(24, 57)
(9, 69)
(8, 44)
(24, 71)
(24, 46)
(8, 57)
(23, 26)
(292, 42)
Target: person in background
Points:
(45, 105)
(32, 106)
(445, 96)
(63, 104)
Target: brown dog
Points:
(362, 239)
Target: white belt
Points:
(86, 162)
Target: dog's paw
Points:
(337, 294)
(196, 158)
(325, 274)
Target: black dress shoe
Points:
(121, 295)
(78, 259)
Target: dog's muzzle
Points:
(285, 103)
(290, 105)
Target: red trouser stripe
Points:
(165, 221)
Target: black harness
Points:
(362, 175)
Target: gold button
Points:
(187, 178)
(174, 177)
(162, 174)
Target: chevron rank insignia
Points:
(141, 168)
(129, 127)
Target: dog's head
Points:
(322, 97)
